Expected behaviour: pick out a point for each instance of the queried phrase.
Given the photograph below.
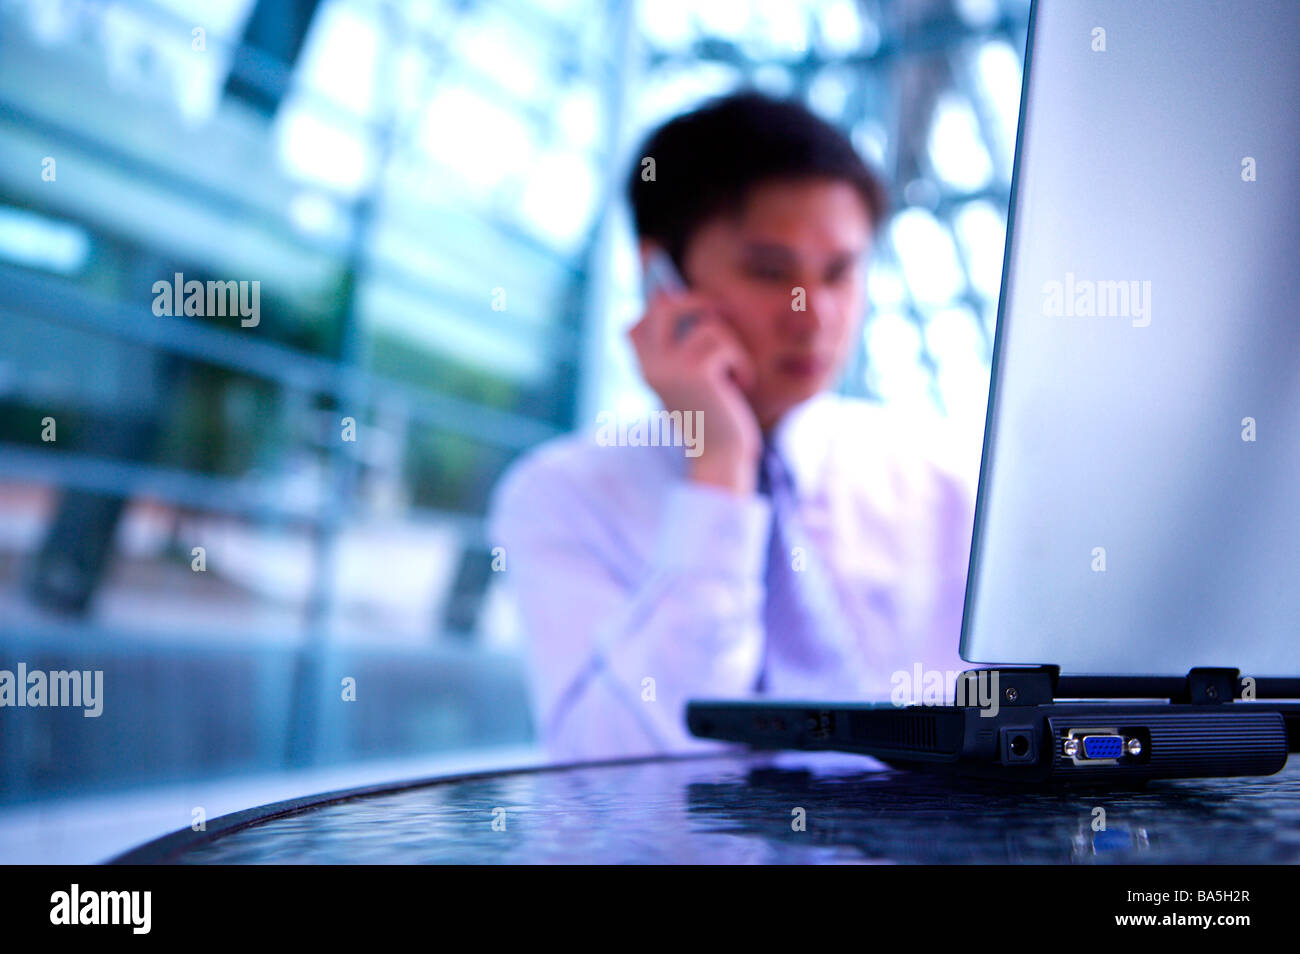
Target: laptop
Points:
(1131, 599)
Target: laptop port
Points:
(1018, 745)
(1099, 746)
(1102, 746)
(819, 724)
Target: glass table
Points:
(756, 807)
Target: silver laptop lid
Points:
(1139, 500)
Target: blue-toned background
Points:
(429, 193)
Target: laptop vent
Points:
(905, 729)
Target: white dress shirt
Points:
(639, 589)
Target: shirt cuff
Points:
(712, 531)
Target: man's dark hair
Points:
(706, 163)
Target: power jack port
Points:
(1018, 745)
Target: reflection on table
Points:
(747, 808)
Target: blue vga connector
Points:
(1099, 746)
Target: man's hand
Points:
(698, 364)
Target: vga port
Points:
(1099, 746)
(1102, 746)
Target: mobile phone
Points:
(662, 275)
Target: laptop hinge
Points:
(1015, 687)
(1209, 687)
(1029, 686)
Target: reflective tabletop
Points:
(774, 808)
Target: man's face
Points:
(811, 235)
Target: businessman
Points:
(809, 545)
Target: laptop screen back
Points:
(1139, 508)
